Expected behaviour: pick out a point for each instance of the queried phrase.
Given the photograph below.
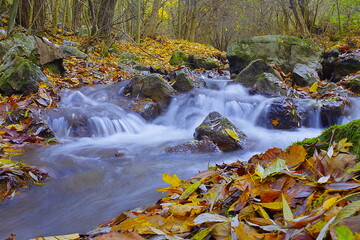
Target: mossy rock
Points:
(178, 58)
(20, 76)
(351, 131)
(282, 50)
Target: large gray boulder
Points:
(20, 76)
(282, 50)
(184, 80)
(261, 78)
(202, 146)
(19, 45)
(220, 131)
(152, 86)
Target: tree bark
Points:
(299, 18)
(12, 16)
(150, 29)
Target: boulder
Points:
(280, 114)
(184, 80)
(331, 112)
(20, 76)
(151, 86)
(196, 62)
(328, 62)
(70, 51)
(283, 50)
(36, 49)
(345, 64)
(178, 58)
(220, 131)
(202, 146)
(304, 75)
(147, 109)
(19, 45)
(261, 78)
(354, 83)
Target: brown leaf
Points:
(120, 236)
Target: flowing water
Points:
(118, 166)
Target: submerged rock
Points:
(283, 50)
(20, 76)
(147, 109)
(280, 114)
(185, 80)
(202, 146)
(221, 131)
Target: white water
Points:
(90, 183)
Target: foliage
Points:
(274, 195)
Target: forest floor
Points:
(284, 170)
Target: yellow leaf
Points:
(314, 87)
(330, 202)
(263, 213)
(192, 188)
(182, 210)
(42, 85)
(232, 134)
(272, 205)
(275, 122)
(69, 236)
(288, 215)
(172, 180)
(16, 127)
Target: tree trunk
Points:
(25, 14)
(150, 29)
(300, 21)
(138, 21)
(77, 9)
(12, 16)
(39, 17)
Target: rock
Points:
(261, 78)
(345, 64)
(140, 67)
(320, 112)
(36, 49)
(331, 112)
(354, 83)
(151, 86)
(185, 80)
(220, 131)
(70, 51)
(280, 114)
(147, 109)
(328, 63)
(202, 146)
(19, 45)
(20, 76)
(283, 50)
(197, 62)
(37, 126)
(304, 75)
(178, 58)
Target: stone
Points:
(261, 78)
(303, 75)
(354, 83)
(151, 86)
(185, 80)
(71, 51)
(196, 62)
(282, 50)
(346, 64)
(328, 62)
(220, 131)
(280, 114)
(202, 146)
(20, 76)
(147, 109)
(178, 58)
(19, 45)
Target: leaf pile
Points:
(275, 195)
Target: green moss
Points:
(351, 131)
(178, 58)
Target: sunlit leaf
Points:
(344, 233)
(288, 215)
(192, 188)
(314, 87)
(210, 217)
(272, 205)
(232, 134)
(172, 180)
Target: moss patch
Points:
(351, 131)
